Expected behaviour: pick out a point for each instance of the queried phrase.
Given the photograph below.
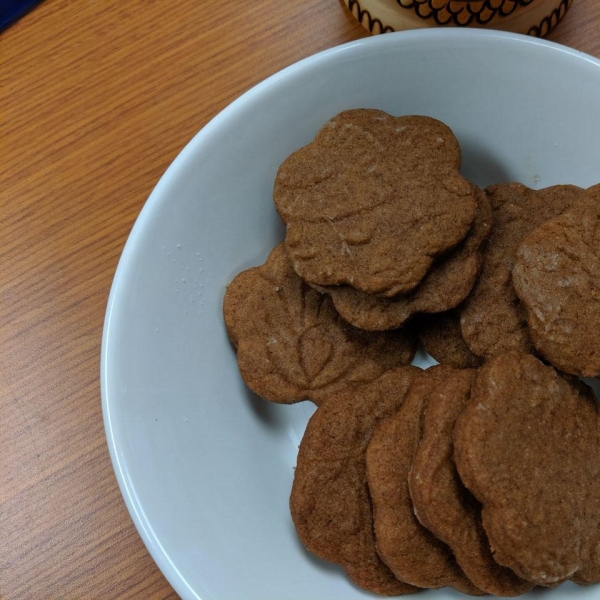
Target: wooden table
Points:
(96, 99)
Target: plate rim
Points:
(156, 198)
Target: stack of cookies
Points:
(379, 218)
(539, 283)
(482, 473)
(484, 480)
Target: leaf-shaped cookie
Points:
(446, 285)
(373, 200)
(291, 343)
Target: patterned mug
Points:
(534, 17)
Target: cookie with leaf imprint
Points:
(291, 343)
(373, 200)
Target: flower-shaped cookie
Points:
(373, 200)
(557, 277)
(292, 345)
(528, 447)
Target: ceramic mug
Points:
(533, 17)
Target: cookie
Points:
(557, 278)
(441, 337)
(412, 552)
(528, 447)
(330, 503)
(442, 503)
(446, 285)
(373, 200)
(292, 345)
(492, 318)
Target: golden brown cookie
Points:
(528, 447)
(330, 502)
(373, 200)
(441, 337)
(557, 277)
(412, 552)
(291, 343)
(446, 285)
(442, 503)
(492, 318)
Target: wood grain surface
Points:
(97, 97)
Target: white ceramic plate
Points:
(204, 466)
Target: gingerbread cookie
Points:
(492, 318)
(441, 337)
(291, 343)
(373, 200)
(412, 552)
(557, 277)
(528, 447)
(445, 286)
(441, 501)
(330, 502)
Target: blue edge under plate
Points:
(12, 10)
